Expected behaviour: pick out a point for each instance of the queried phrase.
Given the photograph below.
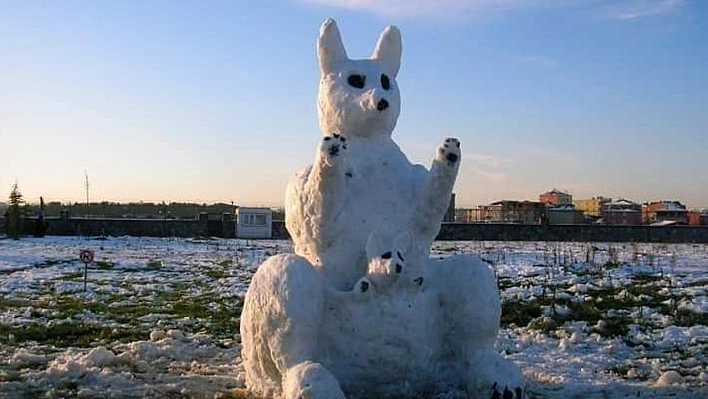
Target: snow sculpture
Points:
(360, 308)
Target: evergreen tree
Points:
(15, 213)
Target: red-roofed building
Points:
(556, 197)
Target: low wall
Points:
(134, 227)
(572, 232)
(448, 231)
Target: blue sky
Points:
(215, 100)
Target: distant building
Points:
(490, 213)
(592, 206)
(697, 218)
(564, 214)
(254, 222)
(507, 211)
(464, 215)
(556, 197)
(622, 212)
(665, 211)
(479, 214)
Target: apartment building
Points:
(591, 206)
(622, 212)
(665, 211)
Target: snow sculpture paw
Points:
(507, 393)
(363, 286)
(309, 380)
(494, 377)
(449, 151)
(332, 147)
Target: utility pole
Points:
(87, 195)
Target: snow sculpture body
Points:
(361, 308)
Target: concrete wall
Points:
(448, 231)
(577, 232)
(135, 227)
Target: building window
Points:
(254, 220)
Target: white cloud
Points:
(430, 8)
(483, 160)
(492, 176)
(465, 9)
(540, 61)
(637, 9)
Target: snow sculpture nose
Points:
(382, 105)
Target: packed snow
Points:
(159, 317)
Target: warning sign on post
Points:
(86, 255)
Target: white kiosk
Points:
(254, 222)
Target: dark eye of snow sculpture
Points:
(343, 315)
(385, 82)
(358, 81)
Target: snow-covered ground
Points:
(159, 317)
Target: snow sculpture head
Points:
(358, 97)
(387, 262)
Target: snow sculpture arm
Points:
(435, 196)
(315, 198)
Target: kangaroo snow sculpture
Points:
(360, 308)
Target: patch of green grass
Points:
(520, 313)
(53, 262)
(209, 313)
(66, 334)
(650, 290)
(611, 264)
(11, 376)
(505, 283)
(622, 370)
(585, 311)
(613, 326)
(647, 278)
(686, 317)
(69, 306)
(221, 322)
(545, 324)
(697, 283)
(217, 274)
(129, 313)
(612, 305)
(72, 276)
(67, 385)
(104, 265)
(13, 303)
(155, 264)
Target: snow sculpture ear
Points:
(330, 49)
(389, 49)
